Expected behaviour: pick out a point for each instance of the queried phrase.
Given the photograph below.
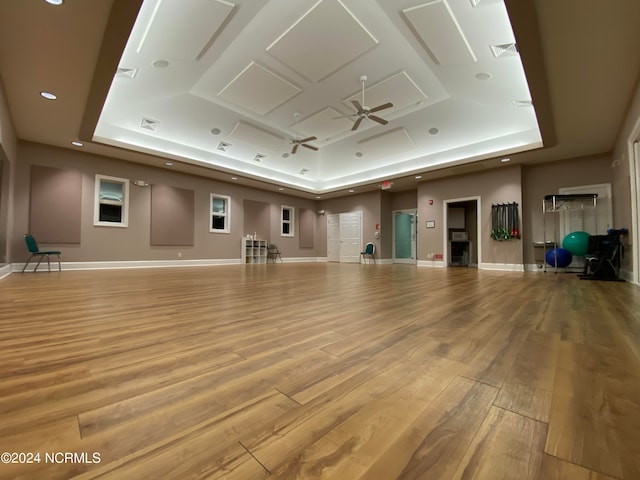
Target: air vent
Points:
(127, 72)
(522, 103)
(258, 158)
(149, 124)
(222, 146)
(304, 171)
(504, 50)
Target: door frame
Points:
(445, 226)
(414, 241)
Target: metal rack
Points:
(563, 203)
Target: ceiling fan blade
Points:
(357, 124)
(308, 139)
(381, 107)
(378, 119)
(356, 104)
(294, 149)
(310, 147)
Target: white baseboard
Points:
(109, 265)
(504, 267)
(303, 259)
(5, 271)
(431, 263)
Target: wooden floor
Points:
(318, 371)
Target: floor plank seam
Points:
(254, 457)
(329, 353)
(518, 413)
(608, 475)
(482, 382)
(288, 396)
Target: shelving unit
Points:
(557, 204)
(254, 251)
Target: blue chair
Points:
(32, 246)
(369, 251)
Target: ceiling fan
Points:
(362, 111)
(296, 142)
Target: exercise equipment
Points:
(577, 243)
(603, 256)
(558, 257)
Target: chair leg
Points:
(38, 264)
(49, 262)
(26, 264)
(59, 266)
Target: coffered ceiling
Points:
(215, 85)
(219, 83)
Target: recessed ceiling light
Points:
(160, 63)
(433, 131)
(418, 177)
(169, 164)
(351, 191)
(483, 76)
(54, 2)
(280, 188)
(77, 144)
(234, 178)
(48, 95)
(318, 197)
(505, 160)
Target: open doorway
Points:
(462, 232)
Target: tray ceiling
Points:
(207, 73)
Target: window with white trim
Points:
(111, 203)
(220, 208)
(287, 217)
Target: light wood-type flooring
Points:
(319, 371)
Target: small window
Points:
(220, 206)
(287, 217)
(111, 206)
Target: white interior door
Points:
(350, 237)
(333, 237)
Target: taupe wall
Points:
(133, 243)
(622, 179)
(546, 179)
(526, 185)
(500, 185)
(8, 156)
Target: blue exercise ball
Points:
(560, 257)
(577, 243)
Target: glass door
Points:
(404, 236)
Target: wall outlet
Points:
(179, 254)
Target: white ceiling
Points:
(580, 57)
(242, 69)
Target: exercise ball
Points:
(560, 257)
(577, 243)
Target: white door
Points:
(350, 237)
(333, 238)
